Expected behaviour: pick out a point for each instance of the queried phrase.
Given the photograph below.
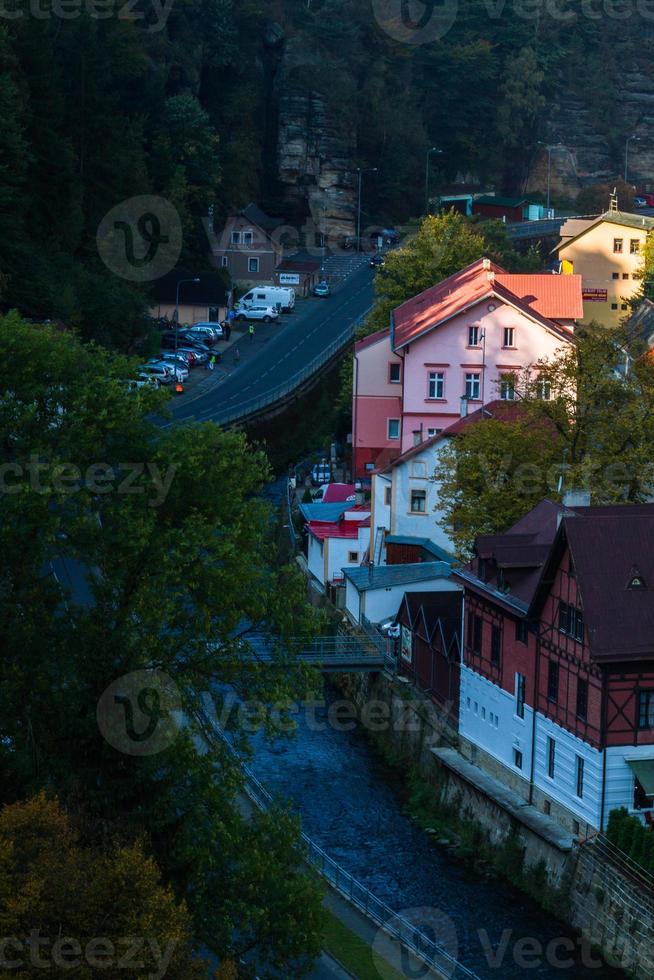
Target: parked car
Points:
(176, 371)
(180, 358)
(199, 356)
(145, 381)
(210, 333)
(376, 261)
(160, 375)
(265, 313)
(640, 202)
(320, 473)
(322, 289)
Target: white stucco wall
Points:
(315, 559)
(563, 787)
(381, 604)
(417, 473)
(488, 719)
(620, 777)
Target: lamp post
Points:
(626, 156)
(361, 171)
(433, 149)
(549, 147)
(179, 283)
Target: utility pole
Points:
(361, 171)
(626, 156)
(433, 149)
(179, 283)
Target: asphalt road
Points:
(280, 350)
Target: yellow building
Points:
(607, 252)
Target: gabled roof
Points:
(610, 546)
(347, 525)
(507, 411)
(211, 290)
(425, 543)
(258, 217)
(372, 338)
(385, 576)
(327, 513)
(521, 552)
(553, 296)
(622, 218)
(434, 614)
(464, 290)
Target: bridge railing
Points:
(405, 931)
(253, 405)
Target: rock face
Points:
(583, 152)
(314, 155)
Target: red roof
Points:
(345, 527)
(501, 410)
(372, 338)
(556, 297)
(336, 493)
(484, 280)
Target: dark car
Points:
(376, 261)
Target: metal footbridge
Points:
(342, 653)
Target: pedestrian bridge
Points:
(341, 653)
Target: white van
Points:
(280, 297)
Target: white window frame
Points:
(436, 385)
(508, 335)
(224, 261)
(473, 384)
(352, 559)
(388, 429)
(236, 238)
(248, 237)
(473, 335)
(391, 379)
(253, 260)
(507, 388)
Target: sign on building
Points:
(289, 279)
(405, 647)
(594, 295)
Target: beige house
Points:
(607, 252)
(204, 301)
(248, 247)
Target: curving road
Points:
(281, 350)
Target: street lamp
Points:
(361, 171)
(179, 283)
(626, 156)
(549, 147)
(433, 149)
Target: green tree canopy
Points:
(127, 548)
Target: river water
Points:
(350, 804)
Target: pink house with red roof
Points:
(465, 338)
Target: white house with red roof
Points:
(405, 503)
(335, 545)
(466, 337)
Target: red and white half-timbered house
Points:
(557, 677)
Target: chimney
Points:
(464, 406)
(358, 494)
(576, 498)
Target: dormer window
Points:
(636, 580)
